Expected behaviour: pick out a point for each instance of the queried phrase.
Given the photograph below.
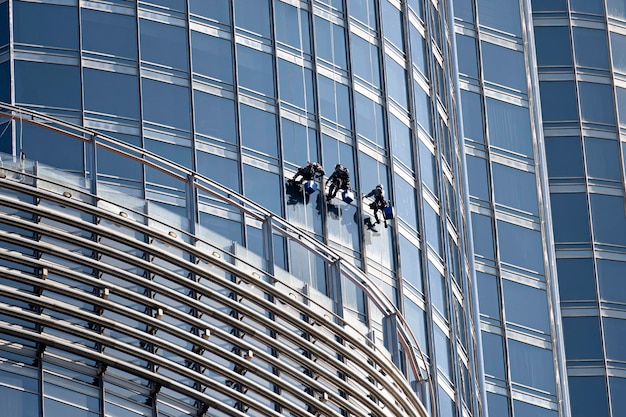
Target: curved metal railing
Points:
(245, 206)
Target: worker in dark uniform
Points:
(377, 205)
(339, 180)
(310, 171)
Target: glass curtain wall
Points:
(513, 254)
(580, 53)
(246, 91)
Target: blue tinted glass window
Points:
(292, 26)
(528, 410)
(330, 42)
(299, 143)
(263, 187)
(432, 223)
(438, 292)
(603, 159)
(258, 130)
(401, 140)
(472, 108)
(215, 116)
(564, 155)
(392, 24)
(611, 277)
(621, 105)
(526, 306)
(428, 169)
(582, 338)
(46, 24)
(503, 15)
(417, 322)
(570, 217)
(515, 188)
(115, 165)
(422, 108)
(588, 396)
(504, 66)
(256, 70)
(418, 50)
(215, 9)
(576, 279)
(489, 299)
(406, 207)
(411, 263)
(467, 55)
(509, 126)
(464, 9)
(616, 8)
(111, 93)
(164, 44)
(334, 101)
(553, 46)
(618, 393)
(442, 350)
(498, 405)
(365, 11)
(590, 46)
(166, 104)
(121, 30)
(253, 15)
(531, 366)
(558, 101)
(483, 235)
(609, 222)
(51, 148)
(18, 395)
(365, 61)
(520, 246)
(614, 338)
(618, 49)
(396, 82)
(223, 170)
(596, 102)
(493, 349)
(211, 56)
(295, 85)
(587, 6)
(369, 119)
(32, 84)
(478, 178)
(4, 23)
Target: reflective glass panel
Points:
(488, 295)
(504, 66)
(498, 405)
(211, 56)
(215, 9)
(558, 101)
(483, 235)
(467, 55)
(121, 30)
(618, 50)
(111, 93)
(215, 116)
(596, 102)
(263, 187)
(166, 104)
(570, 217)
(588, 396)
(472, 106)
(411, 263)
(531, 366)
(292, 26)
(614, 338)
(564, 155)
(256, 70)
(369, 119)
(164, 44)
(603, 159)
(392, 24)
(258, 130)
(608, 220)
(401, 141)
(365, 60)
(577, 279)
(253, 15)
(526, 306)
(582, 338)
(396, 82)
(493, 350)
(611, 279)
(515, 188)
(32, 84)
(590, 46)
(330, 42)
(365, 11)
(46, 24)
(552, 44)
(618, 393)
(478, 177)
(520, 246)
(509, 126)
(528, 410)
(503, 15)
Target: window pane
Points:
(253, 15)
(211, 56)
(528, 410)
(564, 156)
(32, 84)
(493, 354)
(582, 338)
(504, 66)
(483, 235)
(500, 14)
(216, 9)
(591, 49)
(121, 30)
(256, 70)
(596, 102)
(558, 101)
(478, 178)
(514, 188)
(258, 130)
(552, 44)
(588, 396)
(520, 246)
(531, 366)
(292, 26)
(221, 169)
(215, 116)
(365, 60)
(618, 393)
(497, 405)
(411, 263)
(418, 50)
(489, 299)
(472, 106)
(576, 278)
(401, 140)
(612, 283)
(263, 187)
(46, 25)
(405, 205)
(438, 292)
(618, 50)
(467, 55)
(570, 217)
(603, 159)
(174, 112)
(526, 306)
(164, 44)
(392, 21)
(369, 119)
(111, 93)
(509, 126)
(608, 220)
(396, 82)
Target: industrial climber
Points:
(339, 180)
(379, 204)
(310, 171)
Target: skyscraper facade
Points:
(189, 117)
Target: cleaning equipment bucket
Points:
(388, 213)
(310, 187)
(347, 196)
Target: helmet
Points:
(379, 186)
(337, 166)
